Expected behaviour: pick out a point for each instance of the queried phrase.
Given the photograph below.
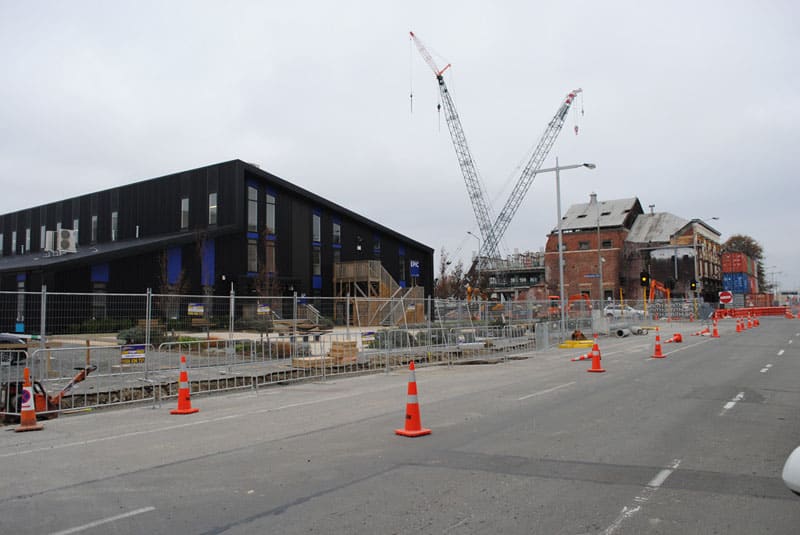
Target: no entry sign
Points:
(725, 297)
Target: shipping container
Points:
(738, 283)
(753, 284)
(738, 263)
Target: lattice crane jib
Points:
(475, 188)
(498, 229)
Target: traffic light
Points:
(693, 284)
(644, 278)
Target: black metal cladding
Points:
(152, 208)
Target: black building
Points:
(198, 232)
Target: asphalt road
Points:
(693, 443)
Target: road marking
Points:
(766, 368)
(523, 398)
(643, 497)
(780, 352)
(790, 341)
(96, 523)
(729, 405)
(171, 427)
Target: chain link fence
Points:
(98, 349)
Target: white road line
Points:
(643, 497)
(790, 341)
(766, 368)
(523, 398)
(171, 427)
(96, 523)
(729, 405)
(780, 352)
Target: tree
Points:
(451, 280)
(740, 243)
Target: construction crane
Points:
(492, 232)
(475, 188)
(498, 229)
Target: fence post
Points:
(231, 313)
(148, 315)
(43, 319)
(294, 325)
(347, 316)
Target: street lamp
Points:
(557, 169)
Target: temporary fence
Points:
(128, 346)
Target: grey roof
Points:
(656, 228)
(584, 215)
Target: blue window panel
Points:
(100, 273)
(316, 282)
(402, 284)
(271, 237)
(337, 245)
(252, 235)
(21, 277)
(174, 264)
(208, 266)
(401, 251)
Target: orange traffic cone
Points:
(738, 325)
(587, 356)
(675, 338)
(27, 414)
(184, 401)
(596, 368)
(595, 348)
(413, 426)
(657, 354)
(715, 333)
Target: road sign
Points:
(592, 275)
(725, 297)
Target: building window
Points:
(270, 257)
(94, 229)
(337, 256)
(13, 242)
(402, 268)
(75, 225)
(252, 209)
(583, 245)
(114, 225)
(252, 256)
(316, 227)
(42, 236)
(212, 208)
(27, 239)
(376, 246)
(337, 232)
(58, 228)
(316, 261)
(270, 212)
(184, 213)
(606, 244)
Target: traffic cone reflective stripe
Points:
(184, 394)
(657, 354)
(596, 348)
(413, 426)
(27, 413)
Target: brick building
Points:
(592, 233)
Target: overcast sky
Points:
(690, 106)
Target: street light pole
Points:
(558, 169)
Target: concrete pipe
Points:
(622, 333)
